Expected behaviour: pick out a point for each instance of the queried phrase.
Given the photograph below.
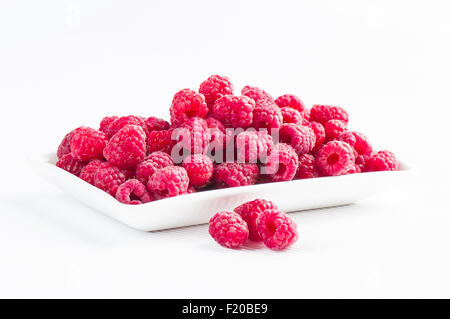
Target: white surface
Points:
(68, 63)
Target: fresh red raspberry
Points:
(281, 164)
(236, 174)
(88, 172)
(290, 100)
(214, 123)
(301, 138)
(69, 163)
(215, 87)
(169, 181)
(123, 121)
(291, 115)
(160, 141)
(127, 148)
(358, 141)
(133, 192)
(335, 158)
(186, 104)
(193, 135)
(199, 168)
(324, 113)
(361, 161)
(64, 147)
(334, 128)
(267, 115)
(353, 170)
(256, 94)
(216, 149)
(276, 229)
(106, 122)
(228, 229)
(151, 164)
(234, 111)
(108, 177)
(306, 167)
(319, 131)
(250, 212)
(87, 144)
(382, 161)
(156, 124)
(253, 145)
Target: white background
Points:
(69, 63)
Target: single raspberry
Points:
(88, 172)
(267, 115)
(214, 123)
(69, 163)
(108, 177)
(281, 164)
(276, 229)
(151, 164)
(306, 167)
(382, 161)
(228, 229)
(253, 145)
(123, 121)
(334, 128)
(215, 87)
(256, 94)
(324, 113)
(199, 168)
(168, 182)
(106, 122)
(87, 144)
(160, 141)
(301, 138)
(156, 124)
(290, 100)
(319, 131)
(133, 192)
(193, 135)
(186, 104)
(250, 212)
(236, 174)
(358, 141)
(291, 115)
(353, 170)
(335, 158)
(234, 111)
(127, 148)
(361, 161)
(64, 147)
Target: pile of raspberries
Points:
(141, 159)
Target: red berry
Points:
(169, 181)
(256, 94)
(87, 144)
(109, 177)
(214, 124)
(276, 229)
(215, 87)
(301, 138)
(199, 168)
(319, 131)
(193, 135)
(290, 100)
(281, 164)
(88, 172)
(267, 115)
(382, 161)
(133, 192)
(250, 212)
(186, 104)
(236, 174)
(228, 229)
(64, 147)
(253, 146)
(123, 121)
(335, 158)
(358, 141)
(324, 113)
(156, 124)
(160, 141)
(106, 122)
(234, 111)
(69, 163)
(306, 167)
(291, 116)
(334, 128)
(151, 164)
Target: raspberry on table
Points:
(215, 87)
(234, 111)
(109, 177)
(133, 192)
(169, 181)
(151, 164)
(281, 164)
(123, 121)
(88, 172)
(87, 144)
(276, 229)
(193, 135)
(64, 147)
(256, 94)
(334, 128)
(106, 122)
(306, 167)
(127, 148)
(235, 174)
(301, 138)
(186, 104)
(335, 158)
(291, 101)
(160, 141)
(324, 113)
(70, 164)
(228, 229)
(199, 168)
(253, 145)
(250, 211)
(156, 124)
(291, 115)
(319, 131)
(267, 114)
(382, 161)
(358, 141)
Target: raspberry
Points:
(106, 122)
(199, 168)
(290, 100)
(306, 115)
(109, 177)
(256, 94)
(156, 124)
(353, 170)
(306, 167)
(88, 172)
(361, 161)
(250, 212)
(324, 113)
(276, 229)
(151, 164)
(215, 87)
(87, 144)
(186, 104)
(64, 147)
(228, 229)
(191, 189)
(301, 138)
(291, 116)
(282, 163)
(69, 163)
(334, 128)
(133, 192)
(236, 174)
(358, 141)
(127, 148)
(319, 131)
(234, 111)
(335, 158)
(123, 121)
(267, 115)
(382, 161)
(168, 182)
(253, 146)
(214, 123)
(160, 141)
(193, 135)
